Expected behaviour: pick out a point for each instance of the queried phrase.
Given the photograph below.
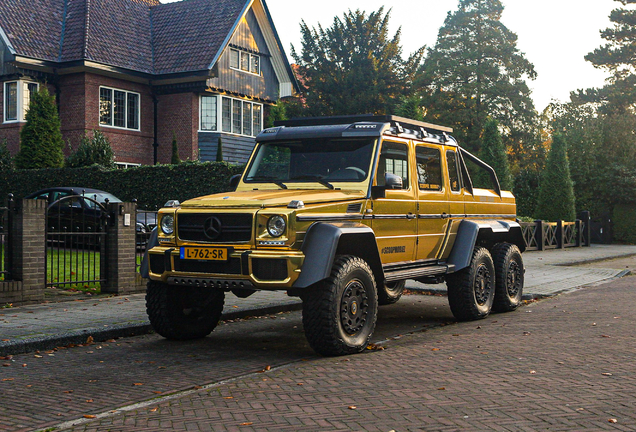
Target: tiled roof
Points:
(140, 35)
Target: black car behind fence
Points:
(76, 243)
(146, 221)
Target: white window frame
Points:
(126, 165)
(21, 110)
(250, 63)
(219, 115)
(112, 114)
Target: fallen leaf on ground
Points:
(138, 384)
(228, 397)
(89, 416)
(197, 387)
(89, 400)
(606, 374)
(246, 423)
(153, 409)
(268, 368)
(532, 372)
(68, 391)
(612, 420)
(442, 388)
(8, 379)
(157, 392)
(89, 340)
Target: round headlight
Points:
(276, 226)
(167, 224)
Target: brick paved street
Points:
(561, 364)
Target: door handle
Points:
(445, 215)
(410, 216)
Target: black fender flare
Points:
(323, 241)
(144, 269)
(486, 233)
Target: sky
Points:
(554, 35)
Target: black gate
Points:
(76, 243)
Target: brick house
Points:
(141, 71)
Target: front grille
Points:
(232, 266)
(215, 227)
(269, 269)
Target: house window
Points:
(226, 114)
(118, 108)
(245, 61)
(17, 97)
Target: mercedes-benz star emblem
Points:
(212, 228)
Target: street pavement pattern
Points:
(561, 364)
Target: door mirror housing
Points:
(393, 181)
(234, 181)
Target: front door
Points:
(394, 216)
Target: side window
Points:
(453, 172)
(429, 168)
(394, 160)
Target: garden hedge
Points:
(624, 227)
(151, 186)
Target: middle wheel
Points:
(339, 313)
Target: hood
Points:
(271, 198)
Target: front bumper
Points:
(249, 269)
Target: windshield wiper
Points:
(317, 179)
(268, 179)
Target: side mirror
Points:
(378, 192)
(234, 181)
(393, 181)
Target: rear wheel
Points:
(509, 277)
(183, 313)
(471, 291)
(339, 313)
(391, 292)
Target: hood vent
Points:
(354, 208)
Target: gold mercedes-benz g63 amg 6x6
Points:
(339, 211)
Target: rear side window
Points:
(453, 170)
(429, 168)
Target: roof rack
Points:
(399, 125)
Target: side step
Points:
(416, 272)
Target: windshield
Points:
(312, 160)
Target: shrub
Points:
(175, 151)
(526, 190)
(41, 139)
(493, 152)
(6, 161)
(92, 151)
(624, 223)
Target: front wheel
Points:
(339, 313)
(471, 291)
(182, 313)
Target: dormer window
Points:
(244, 61)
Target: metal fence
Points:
(76, 243)
(146, 221)
(542, 235)
(6, 220)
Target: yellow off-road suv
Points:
(339, 211)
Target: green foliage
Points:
(276, 113)
(219, 150)
(411, 107)
(556, 192)
(494, 154)
(354, 66)
(476, 70)
(151, 185)
(41, 139)
(175, 151)
(92, 151)
(525, 190)
(6, 160)
(624, 227)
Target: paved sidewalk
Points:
(49, 325)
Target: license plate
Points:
(209, 254)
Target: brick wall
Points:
(121, 276)
(178, 114)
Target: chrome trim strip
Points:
(329, 217)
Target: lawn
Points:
(74, 269)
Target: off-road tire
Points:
(471, 291)
(391, 292)
(182, 313)
(339, 313)
(509, 274)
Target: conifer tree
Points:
(41, 139)
(556, 191)
(92, 151)
(494, 154)
(355, 66)
(411, 108)
(219, 150)
(175, 151)
(475, 70)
